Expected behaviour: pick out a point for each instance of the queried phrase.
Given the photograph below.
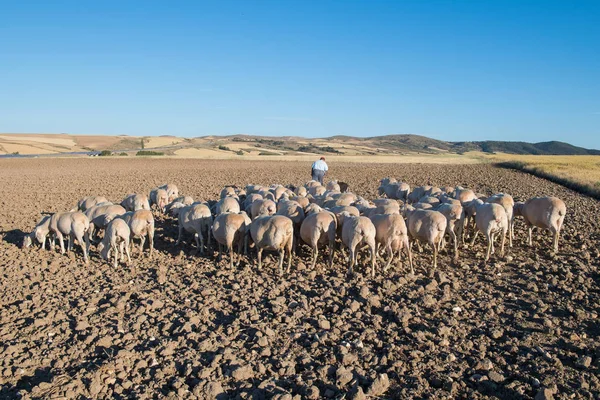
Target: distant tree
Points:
(105, 153)
(142, 143)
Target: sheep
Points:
(227, 205)
(403, 191)
(383, 208)
(303, 201)
(387, 181)
(230, 228)
(262, 207)
(346, 199)
(278, 191)
(293, 211)
(319, 229)
(312, 183)
(172, 191)
(134, 202)
(427, 226)
(250, 189)
(417, 193)
(160, 198)
(116, 237)
(455, 217)
(73, 224)
(301, 191)
(507, 202)
(251, 198)
(362, 204)
(39, 233)
(490, 219)
(390, 190)
(100, 216)
(195, 219)
(355, 231)
(464, 195)
(543, 212)
(273, 232)
(333, 185)
(228, 191)
(391, 232)
(179, 201)
(423, 206)
(434, 201)
(311, 209)
(317, 190)
(90, 201)
(141, 224)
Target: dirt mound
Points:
(186, 326)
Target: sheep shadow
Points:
(14, 236)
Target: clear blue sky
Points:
(465, 70)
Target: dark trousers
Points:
(317, 175)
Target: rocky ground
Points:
(186, 326)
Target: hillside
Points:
(207, 146)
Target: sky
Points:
(451, 70)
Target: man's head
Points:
(322, 158)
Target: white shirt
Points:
(320, 165)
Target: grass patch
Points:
(149, 153)
(267, 153)
(105, 153)
(221, 147)
(575, 176)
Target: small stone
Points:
(496, 377)
(485, 365)
(497, 333)
(324, 324)
(379, 386)
(242, 373)
(544, 394)
(312, 393)
(82, 325)
(584, 361)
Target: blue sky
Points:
(464, 70)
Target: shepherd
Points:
(319, 169)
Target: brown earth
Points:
(186, 326)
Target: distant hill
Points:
(241, 144)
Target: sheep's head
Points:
(312, 208)
(27, 241)
(39, 234)
(518, 208)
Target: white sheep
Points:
(273, 232)
(293, 211)
(464, 195)
(195, 219)
(230, 228)
(490, 219)
(333, 186)
(301, 191)
(90, 201)
(262, 207)
(73, 224)
(319, 229)
(391, 233)
(228, 191)
(543, 212)
(357, 231)
(100, 216)
(427, 226)
(172, 191)
(455, 217)
(134, 202)
(160, 198)
(416, 193)
(141, 225)
(507, 202)
(227, 205)
(116, 238)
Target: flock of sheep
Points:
(277, 218)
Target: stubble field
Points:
(187, 326)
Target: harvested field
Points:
(187, 326)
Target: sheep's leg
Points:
(391, 252)
(259, 256)
(331, 251)
(372, 248)
(142, 242)
(455, 242)
(231, 255)
(44, 243)
(127, 252)
(474, 237)
(489, 248)
(240, 248)
(179, 235)
(493, 236)
(409, 253)
(83, 247)
(502, 243)
(116, 251)
(315, 253)
(62, 244)
(510, 233)
(70, 243)
(246, 244)
(151, 243)
(197, 240)
(435, 254)
(220, 256)
(288, 248)
(352, 255)
(201, 236)
(122, 249)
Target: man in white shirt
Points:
(319, 168)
